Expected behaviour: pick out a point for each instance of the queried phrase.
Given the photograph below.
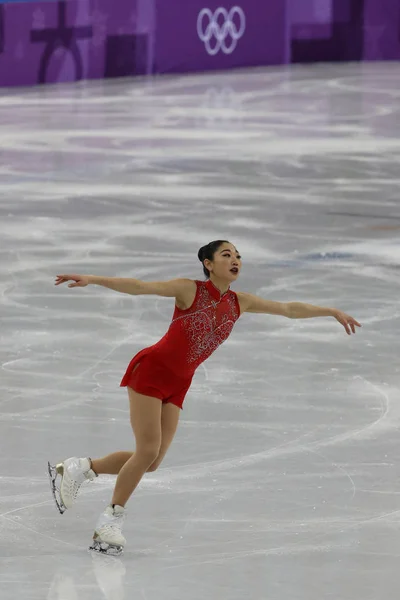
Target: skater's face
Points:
(226, 263)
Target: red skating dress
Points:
(165, 370)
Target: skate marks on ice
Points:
(172, 478)
(389, 419)
(90, 576)
(310, 152)
(220, 490)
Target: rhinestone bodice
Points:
(195, 333)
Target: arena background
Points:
(56, 41)
(131, 134)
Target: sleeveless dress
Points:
(165, 370)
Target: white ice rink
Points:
(283, 480)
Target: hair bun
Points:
(207, 252)
(201, 253)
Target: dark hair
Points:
(208, 251)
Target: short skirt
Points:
(149, 376)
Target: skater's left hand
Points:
(348, 322)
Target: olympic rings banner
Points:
(66, 40)
(219, 31)
(211, 34)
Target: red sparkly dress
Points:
(165, 370)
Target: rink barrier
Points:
(68, 40)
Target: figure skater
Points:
(159, 376)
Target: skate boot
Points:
(107, 537)
(73, 471)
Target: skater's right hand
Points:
(80, 280)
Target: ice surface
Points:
(283, 480)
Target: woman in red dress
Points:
(159, 376)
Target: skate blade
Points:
(53, 473)
(104, 548)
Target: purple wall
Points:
(46, 42)
(344, 30)
(68, 40)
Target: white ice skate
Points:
(73, 471)
(107, 537)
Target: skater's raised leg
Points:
(113, 463)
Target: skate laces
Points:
(75, 485)
(74, 488)
(111, 527)
(112, 522)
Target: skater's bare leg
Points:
(145, 413)
(113, 463)
(169, 422)
(154, 425)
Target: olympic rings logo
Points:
(221, 26)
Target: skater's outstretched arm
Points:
(181, 289)
(295, 310)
